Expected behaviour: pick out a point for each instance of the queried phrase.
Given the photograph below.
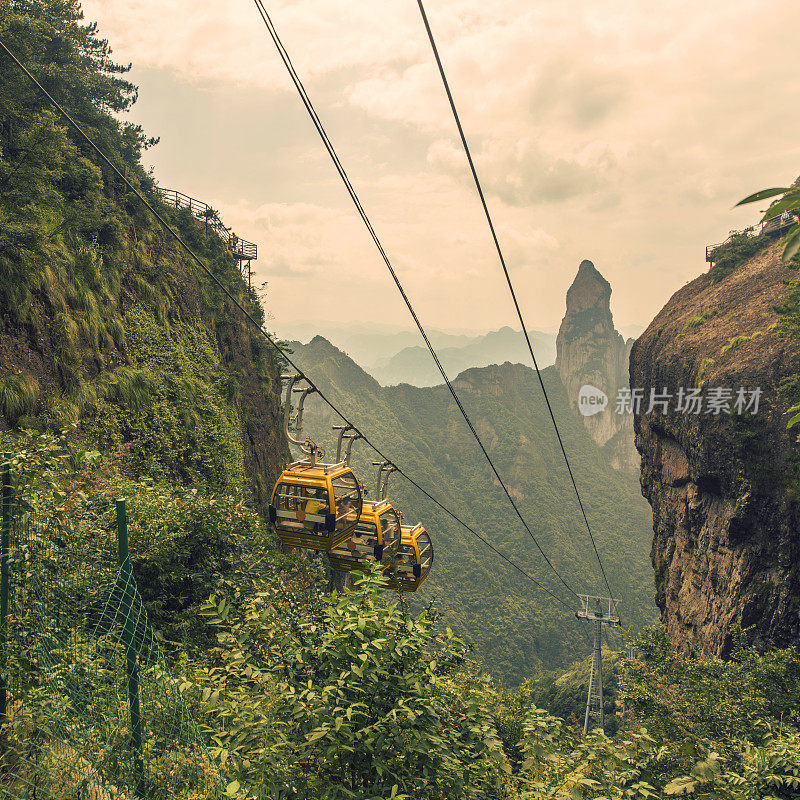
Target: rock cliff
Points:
(723, 486)
(106, 326)
(590, 352)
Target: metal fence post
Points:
(129, 636)
(5, 546)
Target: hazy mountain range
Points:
(414, 365)
(393, 356)
(423, 432)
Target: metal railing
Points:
(239, 248)
(774, 226)
(777, 224)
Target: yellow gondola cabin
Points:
(316, 506)
(376, 538)
(414, 559)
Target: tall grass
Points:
(19, 395)
(131, 387)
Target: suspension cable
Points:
(508, 281)
(362, 213)
(249, 317)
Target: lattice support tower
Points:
(599, 611)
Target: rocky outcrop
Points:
(591, 353)
(723, 486)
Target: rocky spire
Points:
(589, 291)
(590, 352)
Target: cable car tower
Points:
(601, 611)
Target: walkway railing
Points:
(774, 226)
(239, 248)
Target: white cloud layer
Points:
(621, 132)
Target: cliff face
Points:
(590, 352)
(105, 325)
(172, 378)
(722, 486)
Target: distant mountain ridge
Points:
(422, 431)
(414, 365)
(369, 343)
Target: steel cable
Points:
(176, 236)
(354, 197)
(510, 285)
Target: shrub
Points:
(738, 249)
(346, 696)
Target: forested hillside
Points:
(514, 627)
(104, 322)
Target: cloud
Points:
(577, 94)
(622, 132)
(298, 239)
(520, 173)
(202, 40)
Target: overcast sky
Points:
(622, 132)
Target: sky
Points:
(623, 132)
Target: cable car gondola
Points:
(377, 535)
(314, 505)
(414, 559)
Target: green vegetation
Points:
(18, 396)
(363, 695)
(355, 699)
(788, 310)
(171, 404)
(789, 202)
(133, 345)
(126, 337)
(424, 433)
(739, 248)
(735, 341)
(563, 693)
(698, 319)
(353, 696)
(67, 730)
(705, 366)
(790, 388)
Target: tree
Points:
(347, 697)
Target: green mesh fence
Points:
(91, 710)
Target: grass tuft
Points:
(19, 395)
(698, 319)
(737, 340)
(705, 366)
(131, 387)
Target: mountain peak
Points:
(589, 351)
(589, 290)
